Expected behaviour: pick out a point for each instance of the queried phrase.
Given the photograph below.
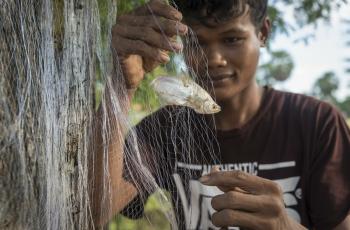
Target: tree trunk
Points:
(50, 51)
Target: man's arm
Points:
(345, 225)
(122, 192)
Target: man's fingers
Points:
(227, 217)
(238, 201)
(149, 32)
(162, 25)
(149, 36)
(247, 182)
(159, 8)
(222, 188)
(128, 46)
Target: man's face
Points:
(232, 52)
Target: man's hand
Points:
(143, 37)
(248, 201)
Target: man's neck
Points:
(240, 109)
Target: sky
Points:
(326, 52)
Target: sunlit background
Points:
(328, 49)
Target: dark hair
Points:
(212, 12)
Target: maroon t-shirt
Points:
(301, 143)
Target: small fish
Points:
(184, 91)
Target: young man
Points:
(283, 156)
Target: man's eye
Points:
(232, 40)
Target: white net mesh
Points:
(53, 55)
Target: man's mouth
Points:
(221, 80)
(221, 77)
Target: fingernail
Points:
(177, 15)
(164, 57)
(182, 28)
(204, 179)
(177, 46)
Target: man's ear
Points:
(264, 32)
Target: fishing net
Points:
(63, 98)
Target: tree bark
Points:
(50, 51)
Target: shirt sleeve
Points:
(329, 188)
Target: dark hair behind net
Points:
(212, 12)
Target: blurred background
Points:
(308, 53)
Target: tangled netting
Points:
(52, 55)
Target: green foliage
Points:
(345, 106)
(326, 86)
(145, 100)
(310, 11)
(144, 95)
(103, 10)
(306, 12)
(127, 5)
(279, 25)
(278, 68)
(154, 218)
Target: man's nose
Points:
(216, 58)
